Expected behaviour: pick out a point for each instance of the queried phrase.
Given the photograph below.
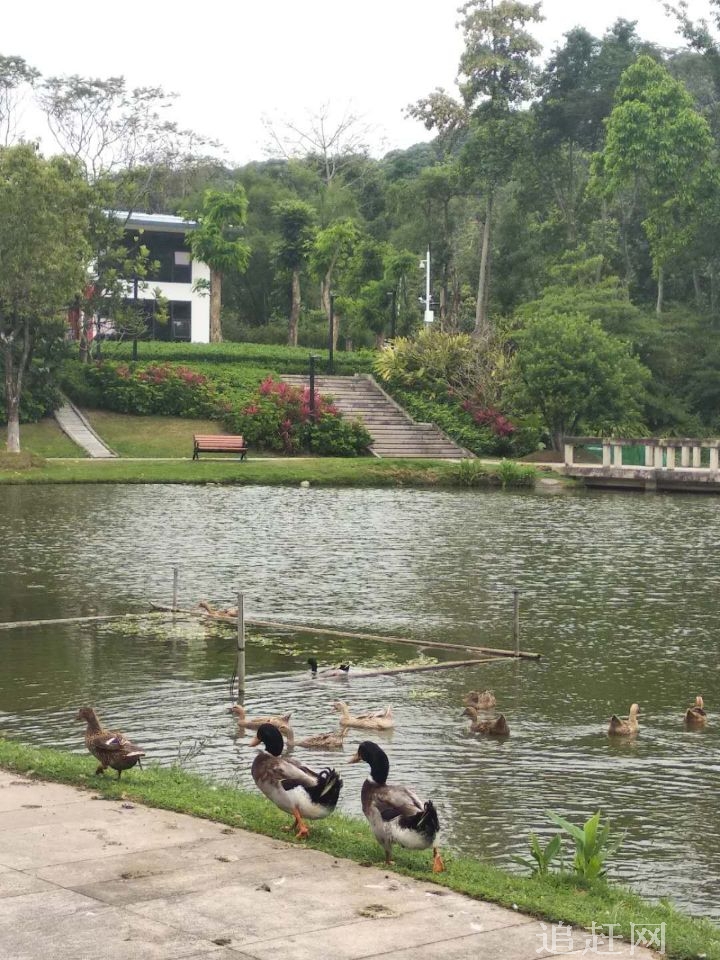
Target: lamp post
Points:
(135, 300)
(331, 335)
(429, 316)
(393, 313)
(312, 358)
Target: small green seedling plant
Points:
(594, 845)
(543, 857)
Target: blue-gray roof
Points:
(165, 222)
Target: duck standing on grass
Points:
(290, 785)
(341, 670)
(111, 747)
(394, 812)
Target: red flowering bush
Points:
(489, 417)
(155, 388)
(280, 417)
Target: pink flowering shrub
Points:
(154, 388)
(279, 417)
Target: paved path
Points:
(83, 878)
(74, 424)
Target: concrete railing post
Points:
(697, 457)
(658, 456)
(607, 454)
(671, 458)
(617, 455)
(714, 459)
(684, 456)
(649, 458)
(569, 454)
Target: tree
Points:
(332, 250)
(495, 76)
(658, 149)
(297, 232)
(15, 77)
(217, 241)
(577, 375)
(44, 252)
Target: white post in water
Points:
(516, 620)
(240, 646)
(176, 575)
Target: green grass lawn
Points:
(554, 897)
(46, 439)
(319, 471)
(149, 436)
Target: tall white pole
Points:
(428, 311)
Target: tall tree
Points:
(296, 221)
(658, 148)
(332, 250)
(495, 76)
(218, 241)
(16, 77)
(44, 252)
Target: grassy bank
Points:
(552, 898)
(46, 439)
(318, 471)
(148, 436)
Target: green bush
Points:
(334, 436)
(40, 397)
(457, 423)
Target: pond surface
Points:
(619, 593)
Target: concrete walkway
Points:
(83, 878)
(74, 424)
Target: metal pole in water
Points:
(240, 647)
(516, 620)
(176, 574)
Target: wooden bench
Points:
(218, 443)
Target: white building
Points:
(176, 278)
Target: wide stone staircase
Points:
(394, 432)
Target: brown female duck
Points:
(324, 741)
(480, 700)
(495, 727)
(253, 723)
(696, 716)
(111, 747)
(625, 726)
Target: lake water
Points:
(619, 593)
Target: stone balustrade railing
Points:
(660, 453)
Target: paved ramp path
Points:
(83, 878)
(74, 424)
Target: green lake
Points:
(619, 593)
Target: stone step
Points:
(394, 433)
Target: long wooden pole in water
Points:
(241, 646)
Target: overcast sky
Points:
(232, 63)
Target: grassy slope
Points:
(46, 439)
(552, 898)
(148, 436)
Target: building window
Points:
(180, 320)
(182, 272)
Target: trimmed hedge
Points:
(277, 358)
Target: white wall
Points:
(199, 300)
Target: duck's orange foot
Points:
(438, 865)
(303, 832)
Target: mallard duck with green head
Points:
(394, 812)
(291, 786)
